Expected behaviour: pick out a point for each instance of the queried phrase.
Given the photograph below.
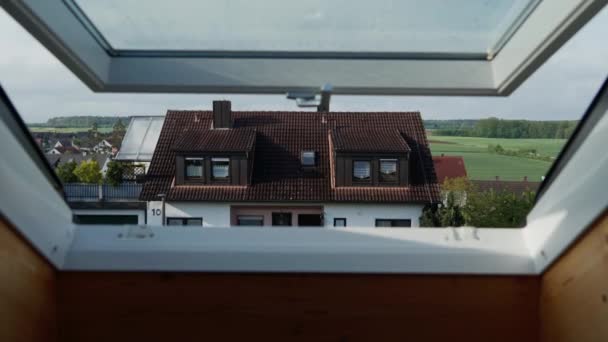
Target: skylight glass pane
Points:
(381, 26)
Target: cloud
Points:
(41, 87)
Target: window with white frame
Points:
(194, 168)
(362, 171)
(220, 169)
(388, 171)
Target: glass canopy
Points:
(140, 139)
(465, 29)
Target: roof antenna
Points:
(312, 99)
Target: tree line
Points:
(500, 128)
(78, 121)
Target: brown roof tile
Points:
(349, 139)
(449, 167)
(280, 138)
(216, 140)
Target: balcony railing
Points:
(82, 192)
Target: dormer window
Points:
(308, 158)
(362, 171)
(220, 169)
(194, 168)
(388, 171)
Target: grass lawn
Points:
(486, 166)
(547, 147)
(68, 129)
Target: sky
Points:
(41, 87)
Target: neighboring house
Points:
(103, 146)
(103, 203)
(516, 187)
(449, 167)
(64, 143)
(64, 150)
(223, 168)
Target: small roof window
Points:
(308, 158)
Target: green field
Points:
(483, 165)
(38, 129)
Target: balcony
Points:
(82, 192)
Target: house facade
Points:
(222, 168)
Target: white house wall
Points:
(218, 214)
(213, 214)
(365, 215)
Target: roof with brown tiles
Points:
(449, 167)
(216, 140)
(279, 139)
(355, 139)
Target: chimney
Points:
(326, 90)
(497, 178)
(525, 178)
(222, 118)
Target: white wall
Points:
(365, 215)
(139, 212)
(213, 214)
(357, 215)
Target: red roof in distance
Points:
(449, 167)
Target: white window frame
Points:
(202, 160)
(574, 197)
(64, 31)
(212, 171)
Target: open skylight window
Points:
(468, 30)
(70, 246)
(437, 47)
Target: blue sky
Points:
(41, 87)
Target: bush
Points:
(466, 205)
(65, 172)
(88, 172)
(114, 174)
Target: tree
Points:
(119, 128)
(88, 172)
(466, 205)
(118, 132)
(65, 172)
(115, 173)
(94, 131)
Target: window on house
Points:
(250, 220)
(361, 171)
(310, 220)
(184, 221)
(194, 168)
(281, 219)
(388, 171)
(308, 158)
(220, 168)
(393, 223)
(339, 222)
